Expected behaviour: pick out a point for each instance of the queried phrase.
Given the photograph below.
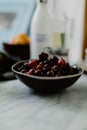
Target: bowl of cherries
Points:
(47, 74)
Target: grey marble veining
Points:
(22, 109)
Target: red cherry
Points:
(39, 66)
(61, 62)
(38, 72)
(32, 63)
(30, 72)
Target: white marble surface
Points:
(22, 109)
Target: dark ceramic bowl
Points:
(17, 52)
(46, 84)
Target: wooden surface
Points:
(85, 30)
(22, 109)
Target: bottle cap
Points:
(43, 1)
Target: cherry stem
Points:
(48, 50)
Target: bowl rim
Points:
(14, 45)
(43, 77)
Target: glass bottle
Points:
(40, 31)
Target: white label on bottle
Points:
(39, 42)
(42, 38)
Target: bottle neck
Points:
(42, 5)
(42, 9)
(42, 1)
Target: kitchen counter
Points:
(22, 109)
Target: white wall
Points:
(74, 10)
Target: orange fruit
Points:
(20, 39)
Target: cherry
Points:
(54, 59)
(46, 68)
(43, 56)
(61, 62)
(30, 72)
(50, 73)
(55, 69)
(39, 66)
(47, 62)
(38, 72)
(32, 63)
(41, 63)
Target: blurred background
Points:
(16, 16)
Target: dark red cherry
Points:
(38, 72)
(55, 69)
(46, 68)
(43, 56)
(50, 73)
(54, 59)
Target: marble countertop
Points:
(22, 109)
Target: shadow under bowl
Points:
(46, 84)
(17, 52)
